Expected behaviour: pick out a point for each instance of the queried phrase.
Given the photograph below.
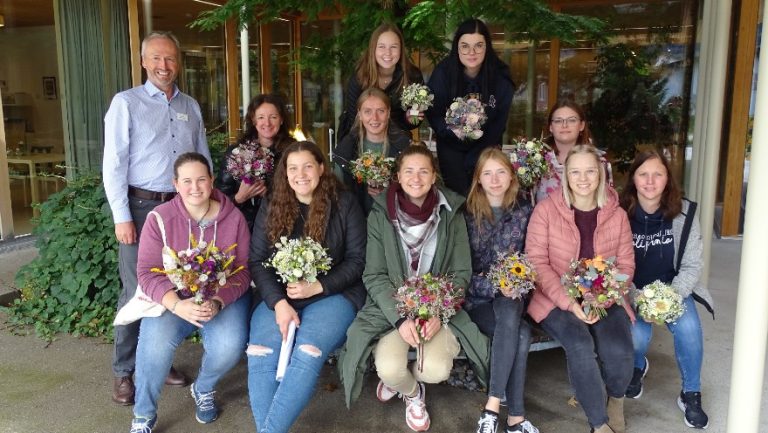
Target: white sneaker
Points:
(416, 415)
(385, 393)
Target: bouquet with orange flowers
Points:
(373, 169)
(512, 274)
(596, 283)
(199, 271)
(426, 296)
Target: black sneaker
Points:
(488, 422)
(690, 404)
(635, 388)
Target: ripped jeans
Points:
(323, 329)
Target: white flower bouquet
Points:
(659, 303)
(299, 259)
(529, 160)
(416, 98)
(465, 117)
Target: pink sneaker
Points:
(416, 414)
(385, 393)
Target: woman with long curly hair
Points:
(384, 65)
(266, 126)
(307, 201)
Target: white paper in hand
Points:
(285, 352)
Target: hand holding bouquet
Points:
(299, 259)
(513, 275)
(199, 271)
(423, 297)
(659, 303)
(465, 117)
(596, 283)
(250, 162)
(373, 169)
(416, 98)
(529, 160)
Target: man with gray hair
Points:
(145, 129)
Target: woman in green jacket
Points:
(414, 228)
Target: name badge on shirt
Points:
(182, 116)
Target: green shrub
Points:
(73, 284)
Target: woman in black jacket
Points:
(472, 67)
(265, 126)
(373, 132)
(384, 65)
(306, 201)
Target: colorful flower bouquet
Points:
(416, 98)
(659, 303)
(423, 297)
(373, 169)
(299, 259)
(512, 274)
(529, 157)
(199, 271)
(596, 283)
(465, 117)
(250, 162)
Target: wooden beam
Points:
(232, 60)
(298, 90)
(265, 43)
(135, 41)
(554, 68)
(6, 213)
(741, 91)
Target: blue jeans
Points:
(689, 345)
(224, 340)
(599, 357)
(324, 323)
(502, 321)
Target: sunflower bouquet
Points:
(529, 158)
(199, 271)
(426, 296)
(373, 168)
(416, 98)
(465, 116)
(596, 283)
(299, 259)
(512, 274)
(659, 303)
(250, 162)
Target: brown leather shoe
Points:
(176, 378)
(123, 390)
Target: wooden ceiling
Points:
(166, 14)
(27, 13)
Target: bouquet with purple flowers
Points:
(529, 158)
(465, 116)
(426, 296)
(250, 162)
(201, 270)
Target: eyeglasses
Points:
(590, 173)
(570, 121)
(478, 48)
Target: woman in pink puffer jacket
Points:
(583, 222)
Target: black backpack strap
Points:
(692, 205)
(689, 216)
